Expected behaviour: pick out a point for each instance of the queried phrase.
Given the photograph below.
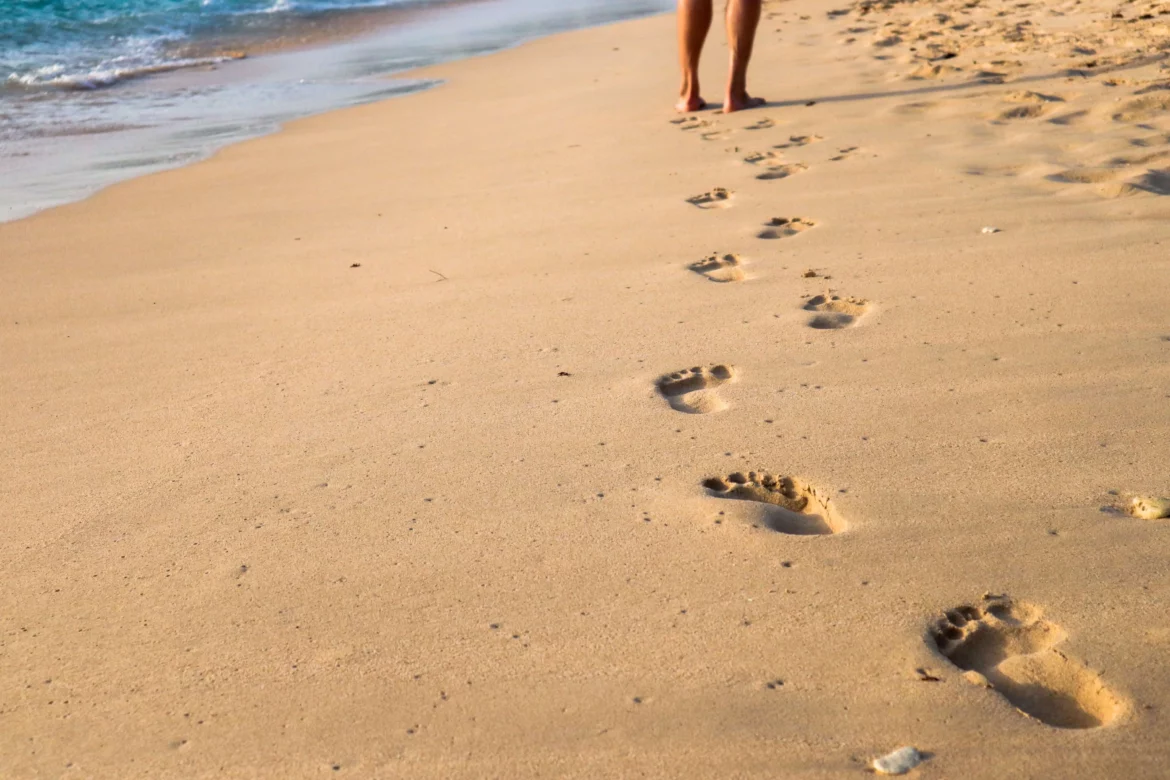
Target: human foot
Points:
(741, 103)
(689, 103)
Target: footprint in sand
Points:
(761, 124)
(782, 171)
(720, 268)
(1031, 105)
(989, 77)
(795, 141)
(1020, 112)
(789, 506)
(834, 312)
(718, 198)
(689, 122)
(1007, 646)
(764, 158)
(1153, 182)
(785, 227)
(696, 390)
(844, 154)
(1143, 109)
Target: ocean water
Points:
(88, 44)
(96, 91)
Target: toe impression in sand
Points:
(696, 390)
(789, 506)
(720, 268)
(834, 312)
(718, 198)
(1009, 647)
(785, 227)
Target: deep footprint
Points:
(782, 171)
(785, 227)
(835, 312)
(1008, 647)
(696, 390)
(789, 505)
(718, 198)
(720, 268)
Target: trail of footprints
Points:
(1113, 175)
(969, 44)
(1000, 644)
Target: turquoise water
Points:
(93, 92)
(87, 44)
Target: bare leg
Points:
(694, 20)
(743, 16)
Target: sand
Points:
(354, 451)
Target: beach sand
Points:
(372, 448)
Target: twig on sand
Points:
(442, 278)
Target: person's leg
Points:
(743, 16)
(694, 20)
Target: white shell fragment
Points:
(1149, 508)
(899, 762)
(990, 230)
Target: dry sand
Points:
(355, 450)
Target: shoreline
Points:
(181, 115)
(207, 48)
(314, 30)
(468, 436)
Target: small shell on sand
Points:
(899, 762)
(989, 230)
(1149, 508)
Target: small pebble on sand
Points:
(899, 762)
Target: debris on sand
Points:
(899, 762)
